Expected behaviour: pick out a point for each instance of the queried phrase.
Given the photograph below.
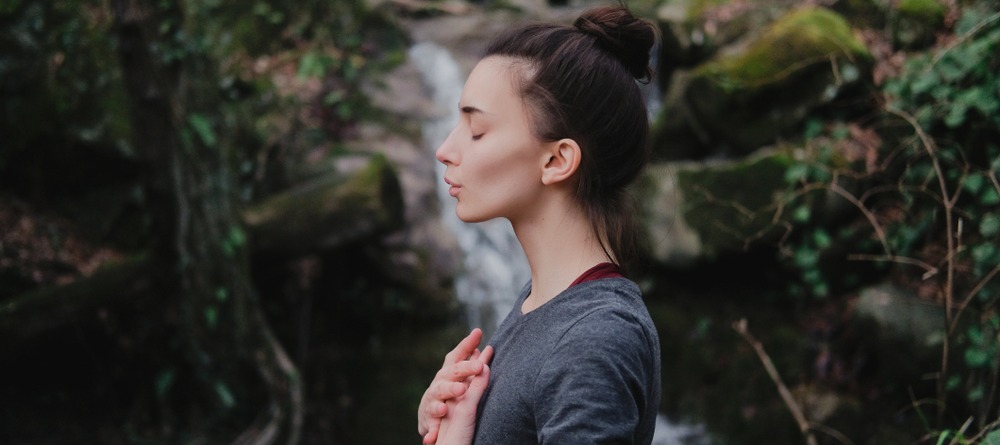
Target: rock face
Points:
(330, 210)
(745, 97)
(899, 312)
(694, 211)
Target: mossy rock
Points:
(329, 211)
(916, 22)
(862, 13)
(693, 30)
(803, 60)
(700, 211)
(731, 206)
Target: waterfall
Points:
(494, 267)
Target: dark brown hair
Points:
(579, 82)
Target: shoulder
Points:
(607, 322)
(601, 379)
(608, 306)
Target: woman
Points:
(553, 128)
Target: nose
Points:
(447, 154)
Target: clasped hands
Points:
(447, 412)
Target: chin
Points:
(468, 217)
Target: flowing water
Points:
(494, 266)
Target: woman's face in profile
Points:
(494, 162)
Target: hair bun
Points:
(619, 32)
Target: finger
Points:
(437, 409)
(475, 354)
(465, 347)
(486, 355)
(430, 416)
(431, 437)
(460, 371)
(443, 391)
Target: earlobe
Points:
(562, 162)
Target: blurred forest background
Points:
(219, 224)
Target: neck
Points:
(560, 245)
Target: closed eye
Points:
(477, 137)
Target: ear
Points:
(561, 162)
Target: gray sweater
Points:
(583, 368)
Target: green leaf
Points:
(237, 237)
(164, 382)
(221, 294)
(975, 334)
(989, 226)
(821, 290)
(974, 183)
(225, 395)
(822, 239)
(993, 438)
(943, 436)
(951, 69)
(984, 253)
(953, 382)
(975, 394)
(813, 128)
(976, 357)
(806, 258)
(313, 65)
(203, 128)
(990, 197)
(796, 173)
(801, 214)
(924, 83)
(211, 316)
(981, 99)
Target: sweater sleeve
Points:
(593, 388)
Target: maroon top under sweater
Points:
(603, 270)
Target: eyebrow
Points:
(469, 109)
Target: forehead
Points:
(490, 86)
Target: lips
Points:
(453, 190)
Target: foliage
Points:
(292, 75)
(931, 213)
(58, 77)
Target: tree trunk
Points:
(200, 253)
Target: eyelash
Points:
(477, 137)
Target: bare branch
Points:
(972, 293)
(786, 395)
(879, 231)
(929, 271)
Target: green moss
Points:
(928, 12)
(801, 38)
(697, 8)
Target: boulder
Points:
(901, 313)
(363, 199)
(694, 211)
(803, 60)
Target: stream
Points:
(494, 268)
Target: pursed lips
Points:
(453, 190)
